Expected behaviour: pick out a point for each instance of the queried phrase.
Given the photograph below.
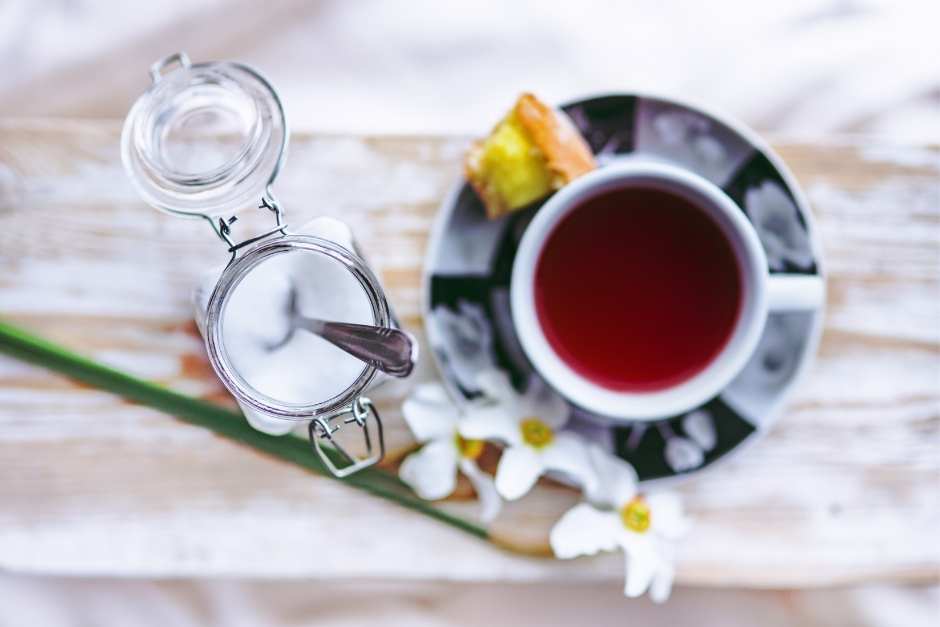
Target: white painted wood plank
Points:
(843, 489)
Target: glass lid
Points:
(205, 138)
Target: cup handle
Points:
(795, 292)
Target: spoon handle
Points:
(389, 350)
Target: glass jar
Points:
(207, 140)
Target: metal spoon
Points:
(388, 350)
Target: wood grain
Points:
(844, 488)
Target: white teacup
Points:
(762, 293)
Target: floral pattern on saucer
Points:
(685, 137)
(470, 263)
(760, 189)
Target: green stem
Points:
(23, 345)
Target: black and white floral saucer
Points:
(469, 265)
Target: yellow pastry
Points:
(532, 152)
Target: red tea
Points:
(637, 289)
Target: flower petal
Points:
(519, 468)
(642, 564)
(615, 481)
(667, 518)
(584, 530)
(568, 454)
(432, 393)
(429, 412)
(490, 503)
(432, 471)
(496, 386)
(662, 582)
(490, 422)
(544, 403)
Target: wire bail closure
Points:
(156, 70)
(223, 226)
(357, 412)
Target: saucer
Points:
(470, 258)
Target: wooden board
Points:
(845, 487)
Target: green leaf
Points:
(25, 346)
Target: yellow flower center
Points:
(536, 433)
(469, 449)
(635, 515)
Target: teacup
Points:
(640, 290)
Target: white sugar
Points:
(306, 369)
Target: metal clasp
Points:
(156, 70)
(223, 226)
(358, 412)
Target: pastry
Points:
(532, 152)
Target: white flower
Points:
(530, 427)
(467, 338)
(774, 216)
(432, 471)
(645, 527)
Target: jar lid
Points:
(205, 138)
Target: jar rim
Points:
(230, 279)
